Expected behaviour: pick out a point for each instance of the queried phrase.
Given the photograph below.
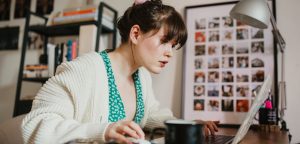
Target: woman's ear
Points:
(134, 34)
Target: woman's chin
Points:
(155, 70)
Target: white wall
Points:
(289, 22)
(167, 85)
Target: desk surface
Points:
(257, 136)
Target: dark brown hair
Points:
(152, 15)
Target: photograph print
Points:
(227, 22)
(199, 90)
(213, 49)
(200, 23)
(242, 48)
(228, 62)
(213, 105)
(200, 37)
(242, 76)
(213, 90)
(257, 33)
(227, 49)
(199, 63)
(199, 105)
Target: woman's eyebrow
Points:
(163, 36)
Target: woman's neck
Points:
(122, 61)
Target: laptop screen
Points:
(258, 101)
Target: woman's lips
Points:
(163, 63)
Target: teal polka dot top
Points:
(116, 107)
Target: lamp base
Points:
(284, 128)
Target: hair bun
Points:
(137, 2)
(157, 2)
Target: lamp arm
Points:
(278, 37)
(279, 40)
(282, 85)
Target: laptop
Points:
(224, 139)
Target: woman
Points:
(107, 96)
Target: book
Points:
(79, 10)
(74, 50)
(58, 55)
(51, 59)
(69, 50)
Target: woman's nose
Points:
(169, 52)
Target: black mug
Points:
(267, 116)
(182, 132)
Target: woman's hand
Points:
(210, 127)
(117, 131)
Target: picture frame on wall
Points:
(5, 10)
(44, 7)
(9, 38)
(20, 8)
(225, 61)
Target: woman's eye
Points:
(163, 41)
(175, 46)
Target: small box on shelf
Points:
(35, 71)
(74, 15)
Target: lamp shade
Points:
(252, 12)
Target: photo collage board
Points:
(226, 61)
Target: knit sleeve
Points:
(52, 117)
(155, 114)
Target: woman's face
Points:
(151, 52)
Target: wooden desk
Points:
(258, 136)
(253, 136)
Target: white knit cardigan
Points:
(73, 104)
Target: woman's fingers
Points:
(211, 128)
(215, 125)
(127, 130)
(118, 131)
(137, 129)
(206, 131)
(120, 138)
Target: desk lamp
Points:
(257, 13)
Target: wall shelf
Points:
(65, 29)
(24, 106)
(41, 80)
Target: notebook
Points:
(223, 139)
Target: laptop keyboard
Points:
(218, 139)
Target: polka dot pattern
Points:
(116, 106)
